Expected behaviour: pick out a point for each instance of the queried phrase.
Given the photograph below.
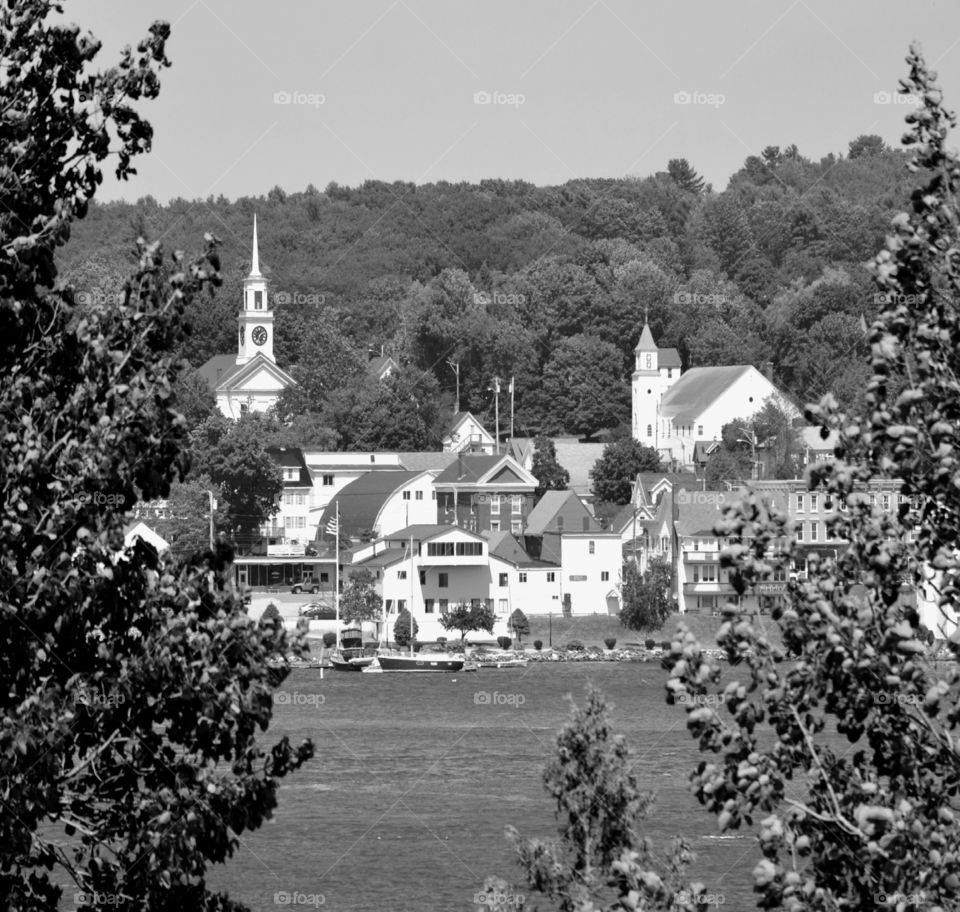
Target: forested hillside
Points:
(547, 284)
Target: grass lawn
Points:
(592, 629)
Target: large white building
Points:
(674, 410)
(251, 380)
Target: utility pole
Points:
(456, 369)
(496, 410)
(511, 410)
(213, 506)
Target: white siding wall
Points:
(398, 513)
(589, 595)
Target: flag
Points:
(332, 526)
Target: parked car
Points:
(307, 584)
(317, 612)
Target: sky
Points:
(296, 92)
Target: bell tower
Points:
(649, 385)
(256, 318)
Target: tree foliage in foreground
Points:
(131, 690)
(842, 824)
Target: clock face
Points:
(259, 335)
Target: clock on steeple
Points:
(256, 312)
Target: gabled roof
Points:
(484, 469)
(216, 368)
(698, 388)
(426, 462)
(461, 418)
(698, 519)
(668, 357)
(545, 513)
(291, 458)
(257, 363)
(646, 343)
(362, 500)
(381, 366)
(425, 531)
(506, 547)
(704, 449)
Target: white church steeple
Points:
(256, 319)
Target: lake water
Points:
(416, 776)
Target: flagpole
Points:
(496, 408)
(511, 411)
(336, 574)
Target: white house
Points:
(674, 410)
(289, 530)
(251, 380)
(467, 435)
(330, 473)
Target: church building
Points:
(251, 379)
(674, 410)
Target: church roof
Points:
(258, 362)
(646, 343)
(216, 368)
(668, 357)
(697, 389)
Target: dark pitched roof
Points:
(668, 357)
(362, 500)
(216, 368)
(383, 558)
(697, 389)
(467, 469)
(699, 518)
(291, 458)
(543, 516)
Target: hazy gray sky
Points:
(386, 89)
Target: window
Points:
(443, 580)
(504, 607)
(258, 300)
(814, 531)
(873, 500)
(517, 500)
(799, 503)
(705, 573)
(885, 501)
(389, 604)
(401, 604)
(669, 373)
(523, 577)
(593, 547)
(324, 577)
(423, 577)
(401, 574)
(503, 579)
(799, 531)
(419, 495)
(699, 430)
(495, 525)
(428, 606)
(649, 430)
(328, 480)
(443, 606)
(406, 495)
(604, 576)
(649, 362)
(516, 528)
(696, 544)
(551, 576)
(559, 523)
(494, 504)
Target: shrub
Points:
(575, 645)
(650, 644)
(329, 639)
(610, 642)
(272, 613)
(538, 645)
(442, 642)
(519, 624)
(665, 644)
(504, 642)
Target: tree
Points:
(519, 624)
(468, 618)
(271, 613)
(360, 600)
(405, 628)
(682, 174)
(183, 521)
(550, 475)
(872, 815)
(615, 471)
(133, 689)
(232, 455)
(193, 397)
(601, 860)
(867, 145)
(646, 598)
(583, 390)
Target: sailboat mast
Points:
(336, 577)
(411, 595)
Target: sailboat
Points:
(416, 661)
(348, 656)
